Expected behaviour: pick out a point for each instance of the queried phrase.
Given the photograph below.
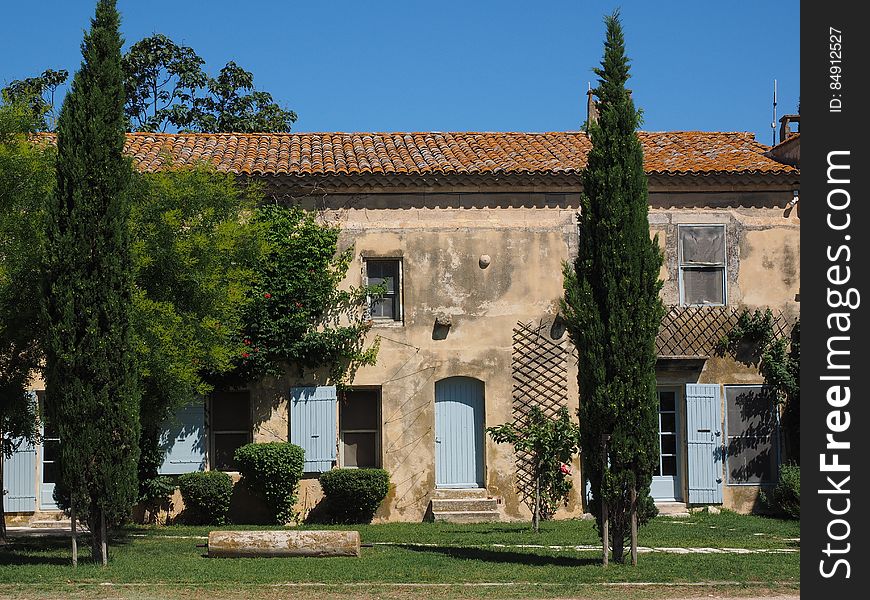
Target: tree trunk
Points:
(536, 514)
(97, 525)
(2, 503)
(634, 525)
(618, 546)
(104, 542)
(73, 535)
(605, 533)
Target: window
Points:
(387, 273)
(230, 425)
(360, 419)
(667, 433)
(752, 425)
(702, 264)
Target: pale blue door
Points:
(666, 483)
(704, 443)
(19, 479)
(459, 433)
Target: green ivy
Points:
(297, 313)
(778, 360)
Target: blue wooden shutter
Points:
(313, 425)
(704, 440)
(183, 438)
(19, 476)
(19, 479)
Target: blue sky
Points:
(481, 65)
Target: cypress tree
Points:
(91, 384)
(612, 306)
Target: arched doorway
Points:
(459, 433)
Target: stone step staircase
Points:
(463, 506)
(672, 509)
(52, 520)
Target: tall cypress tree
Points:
(612, 305)
(91, 384)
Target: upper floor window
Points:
(702, 264)
(386, 272)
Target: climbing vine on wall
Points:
(298, 313)
(753, 340)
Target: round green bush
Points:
(353, 495)
(272, 471)
(206, 496)
(787, 493)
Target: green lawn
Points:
(145, 561)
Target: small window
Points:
(752, 441)
(360, 424)
(230, 424)
(667, 433)
(702, 264)
(387, 273)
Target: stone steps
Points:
(50, 524)
(463, 506)
(672, 509)
(465, 517)
(453, 505)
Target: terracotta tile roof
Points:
(680, 152)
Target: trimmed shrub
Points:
(786, 496)
(206, 496)
(272, 471)
(353, 495)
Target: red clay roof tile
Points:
(675, 152)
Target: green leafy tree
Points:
(232, 104)
(195, 250)
(26, 178)
(167, 87)
(91, 384)
(161, 81)
(298, 315)
(612, 306)
(551, 445)
(38, 93)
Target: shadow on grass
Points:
(51, 549)
(34, 551)
(505, 556)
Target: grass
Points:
(462, 557)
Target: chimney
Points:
(591, 108)
(785, 124)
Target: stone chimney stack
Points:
(785, 126)
(591, 108)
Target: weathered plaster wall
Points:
(441, 271)
(440, 241)
(763, 253)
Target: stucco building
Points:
(469, 232)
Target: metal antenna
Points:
(773, 124)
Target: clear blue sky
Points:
(484, 65)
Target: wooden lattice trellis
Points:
(695, 330)
(539, 367)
